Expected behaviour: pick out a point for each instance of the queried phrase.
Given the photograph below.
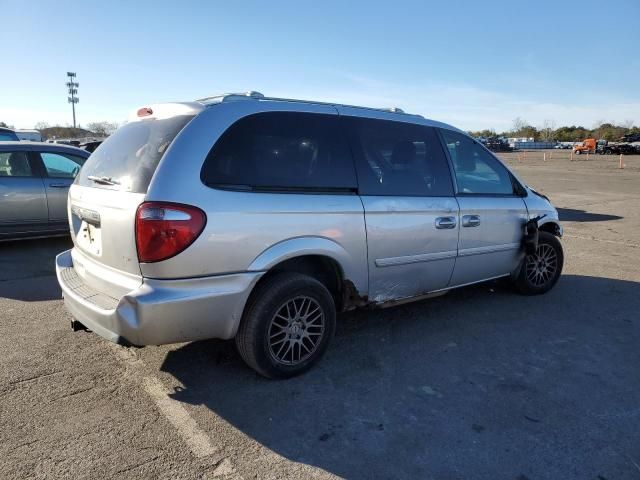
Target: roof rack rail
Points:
(226, 97)
(393, 110)
(231, 96)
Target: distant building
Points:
(528, 143)
(513, 140)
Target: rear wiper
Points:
(103, 180)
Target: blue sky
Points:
(475, 64)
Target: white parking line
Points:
(197, 440)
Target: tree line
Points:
(93, 129)
(545, 133)
(549, 133)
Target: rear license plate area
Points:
(89, 238)
(86, 227)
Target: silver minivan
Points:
(254, 218)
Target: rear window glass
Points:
(128, 159)
(15, 164)
(282, 151)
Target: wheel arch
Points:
(552, 227)
(321, 258)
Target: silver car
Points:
(34, 182)
(254, 218)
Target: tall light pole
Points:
(73, 91)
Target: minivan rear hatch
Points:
(111, 185)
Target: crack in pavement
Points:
(137, 465)
(31, 379)
(77, 392)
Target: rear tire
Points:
(540, 271)
(287, 325)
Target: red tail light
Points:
(163, 230)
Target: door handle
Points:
(470, 220)
(58, 185)
(445, 222)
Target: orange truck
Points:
(588, 146)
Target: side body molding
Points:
(354, 266)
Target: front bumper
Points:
(158, 311)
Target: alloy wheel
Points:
(296, 330)
(541, 266)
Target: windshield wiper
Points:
(103, 180)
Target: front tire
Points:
(287, 325)
(541, 270)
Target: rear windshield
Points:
(127, 159)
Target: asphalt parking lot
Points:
(481, 383)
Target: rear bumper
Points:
(158, 311)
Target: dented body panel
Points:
(408, 255)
